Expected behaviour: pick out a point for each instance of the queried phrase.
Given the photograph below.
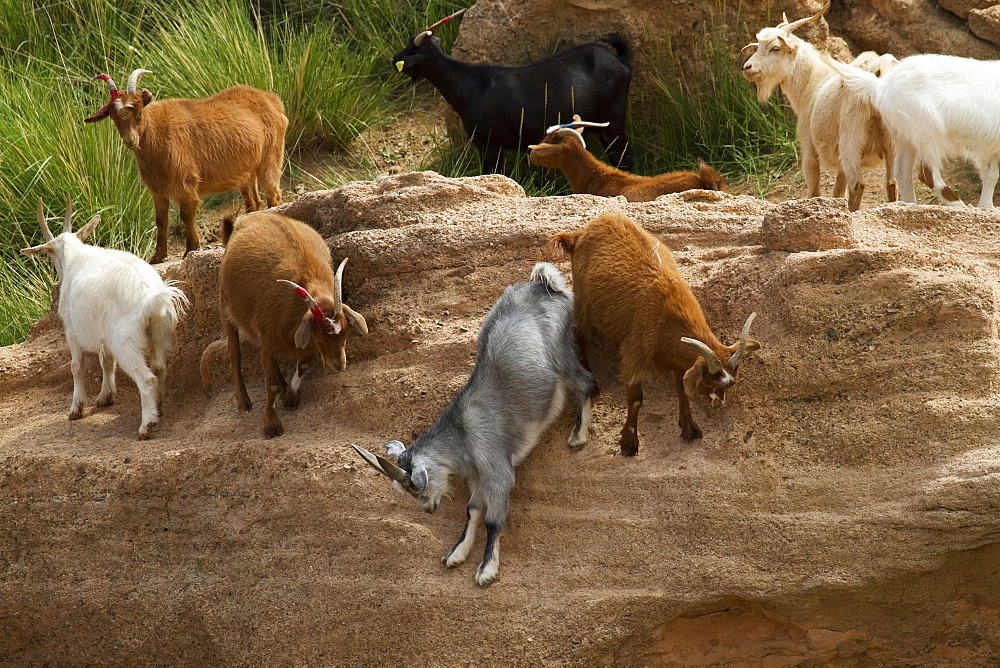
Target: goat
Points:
(935, 108)
(564, 148)
(837, 129)
(114, 304)
(527, 364)
(503, 107)
(277, 287)
(189, 148)
(628, 289)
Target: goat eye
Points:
(776, 47)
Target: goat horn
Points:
(112, 88)
(792, 26)
(430, 31)
(737, 357)
(713, 361)
(318, 316)
(41, 221)
(576, 123)
(570, 132)
(68, 219)
(338, 290)
(381, 464)
(133, 79)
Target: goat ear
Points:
(693, 376)
(543, 149)
(305, 330)
(147, 97)
(787, 43)
(420, 479)
(749, 49)
(100, 115)
(38, 250)
(88, 228)
(394, 449)
(355, 320)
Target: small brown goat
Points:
(564, 148)
(628, 289)
(189, 148)
(277, 287)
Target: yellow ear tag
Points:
(399, 65)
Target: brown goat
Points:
(564, 148)
(628, 289)
(189, 148)
(277, 287)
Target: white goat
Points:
(837, 128)
(936, 108)
(114, 304)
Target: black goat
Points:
(507, 107)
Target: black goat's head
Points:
(425, 44)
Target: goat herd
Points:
(278, 288)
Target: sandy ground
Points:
(842, 508)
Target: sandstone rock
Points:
(985, 23)
(814, 224)
(961, 8)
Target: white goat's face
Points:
(771, 60)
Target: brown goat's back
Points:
(628, 289)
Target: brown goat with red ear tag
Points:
(185, 149)
(277, 287)
(628, 289)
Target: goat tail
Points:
(547, 274)
(559, 245)
(227, 227)
(622, 48)
(162, 310)
(856, 79)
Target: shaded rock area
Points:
(843, 507)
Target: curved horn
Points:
(381, 464)
(338, 290)
(318, 316)
(737, 357)
(430, 31)
(714, 364)
(41, 221)
(577, 123)
(570, 132)
(419, 39)
(792, 26)
(106, 109)
(68, 219)
(133, 79)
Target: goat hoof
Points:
(450, 559)
(244, 406)
(144, 434)
(690, 433)
(75, 413)
(486, 575)
(291, 400)
(629, 446)
(106, 401)
(157, 258)
(274, 429)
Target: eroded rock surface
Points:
(844, 505)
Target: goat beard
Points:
(764, 90)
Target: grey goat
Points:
(527, 364)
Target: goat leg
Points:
(189, 209)
(689, 430)
(457, 554)
(272, 381)
(243, 402)
(79, 385)
(108, 390)
(162, 207)
(629, 443)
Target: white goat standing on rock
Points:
(837, 128)
(935, 108)
(116, 305)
